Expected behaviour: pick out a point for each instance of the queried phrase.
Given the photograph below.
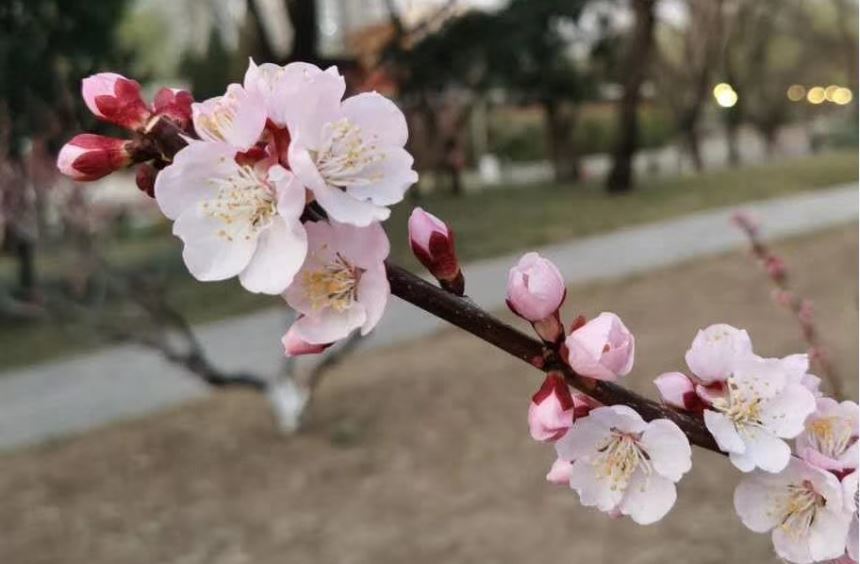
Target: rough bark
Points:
(636, 70)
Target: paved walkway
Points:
(93, 389)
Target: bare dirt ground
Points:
(418, 454)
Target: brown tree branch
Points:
(463, 313)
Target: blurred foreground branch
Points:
(800, 307)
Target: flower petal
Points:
(648, 498)
(280, 253)
(668, 449)
(208, 253)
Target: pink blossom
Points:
(759, 406)
(802, 505)
(551, 410)
(89, 157)
(559, 473)
(715, 352)
(298, 95)
(678, 390)
(295, 346)
(350, 156)
(621, 464)
(342, 285)
(796, 368)
(603, 348)
(234, 219)
(432, 243)
(237, 118)
(536, 291)
(116, 99)
(850, 497)
(829, 439)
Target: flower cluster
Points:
(255, 159)
(752, 405)
(612, 458)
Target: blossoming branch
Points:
(283, 183)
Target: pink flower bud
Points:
(602, 349)
(295, 346)
(535, 288)
(115, 99)
(432, 243)
(174, 104)
(551, 409)
(775, 268)
(90, 157)
(678, 391)
(783, 297)
(560, 472)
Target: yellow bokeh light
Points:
(842, 96)
(816, 95)
(722, 88)
(725, 95)
(830, 91)
(796, 92)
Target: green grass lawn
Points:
(487, 224)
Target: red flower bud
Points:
(175, 105)
(115, 99)
(90, 157)
(432, 243)
(145, 179)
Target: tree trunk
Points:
(641, 45)
(262, 49)
(559, 123)
(303, 16)
(732, 129)
(694, 148)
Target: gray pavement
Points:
(83, 392)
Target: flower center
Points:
(221, 117)
(743, 410)
(831, 436)
(799, 508)
(333, 284)
(619, 458)
(346, 154)
(245, 203)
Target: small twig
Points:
(800, 307)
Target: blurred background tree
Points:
(46, 46)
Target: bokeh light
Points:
(842, 96)
(796, 92)
(816, 95)
(725, 95)
(830, 91)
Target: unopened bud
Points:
(536, 291)
(90, 157)
(174, 104)
(432, 243)
(679, 391)
(115, 99)
(145, 179)
(775, 268)
(551, 410)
